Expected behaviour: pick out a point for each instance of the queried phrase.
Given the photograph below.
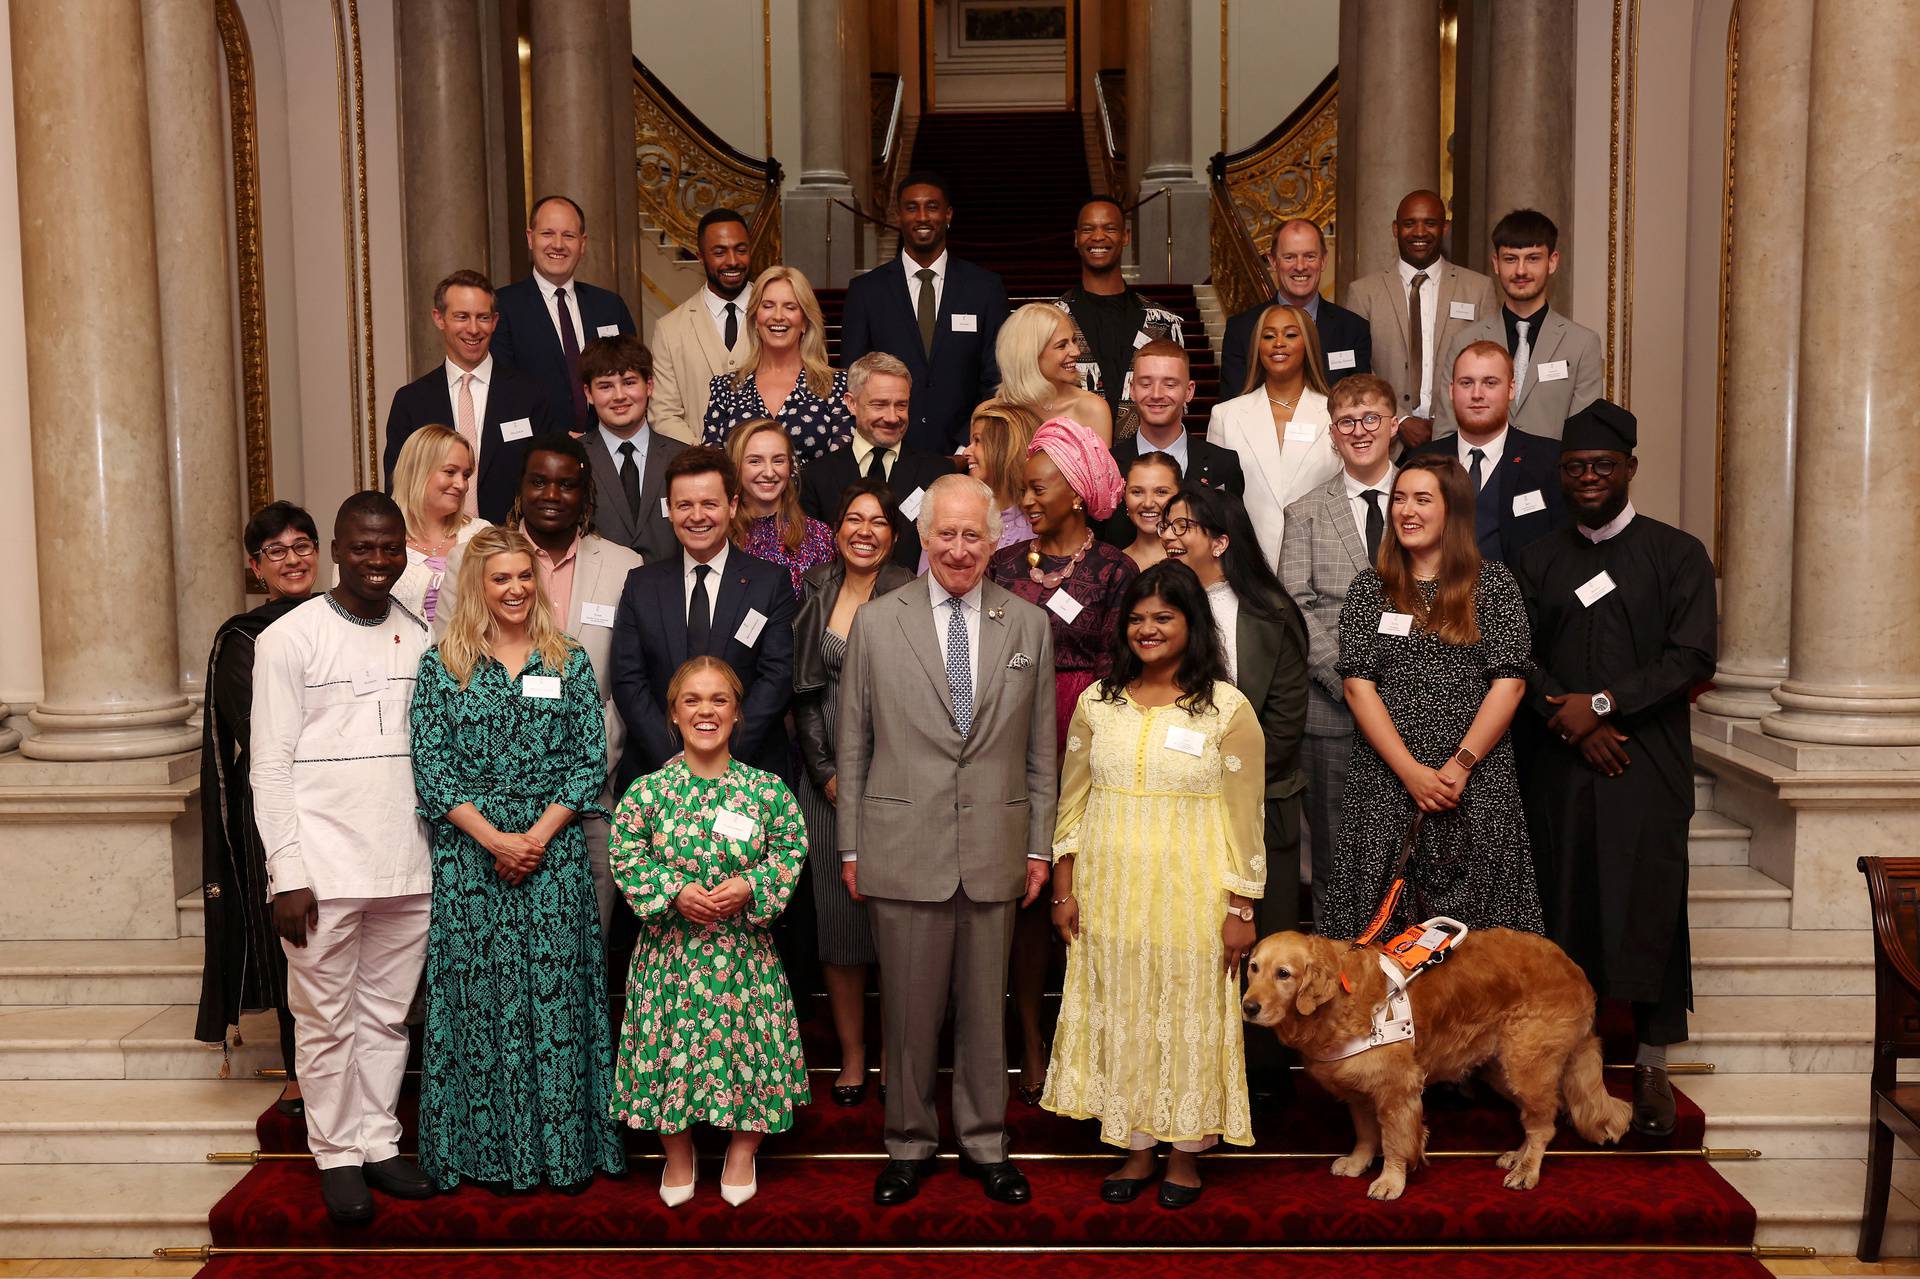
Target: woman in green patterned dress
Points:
(509, 746)
(707, 851)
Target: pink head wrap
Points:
(1084, 461)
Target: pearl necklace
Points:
(1052, 580)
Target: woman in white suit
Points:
(1280, 426)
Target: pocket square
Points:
(1019, 662)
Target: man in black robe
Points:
(1622, 608)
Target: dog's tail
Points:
(1597, 1115)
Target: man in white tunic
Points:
(347, 862)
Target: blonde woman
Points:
(768, 522)
(1040, 370)
(785, 374)
(430, 483)
(509, 747)
(996, 455)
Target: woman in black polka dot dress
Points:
(785, 374)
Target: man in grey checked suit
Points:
(947, 787)
(1331, 535)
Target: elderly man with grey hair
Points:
(947, 782)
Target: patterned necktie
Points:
(959, 667)
(699, 612)
(927, 308)
(1475, 469)
(570, 347)
(470, 432)
(1416, 333)
(1376, 524)
(1522, 353)
(733, 325)
(877, 465)
(630, 478)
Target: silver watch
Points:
(1602, 704)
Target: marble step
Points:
(191, 911)
(1787, 1116)
(1816, 1203)
(1793, 1034)
(1782, 961)
(108, 1210)
(128, 1121)
(101, 972)
(1713, 840)
(1737, 897)
(125, 1041)
(1703, 791)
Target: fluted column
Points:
(1397, 92)
(94, 371)
(821, 236)
(1854, 661)
(1763, 358)
(1345, 189)
(1530, 119)
(185, 87)
(443, 138)
(1170, 238)
(624, 229)
(572, 136)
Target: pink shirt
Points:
(556, 579)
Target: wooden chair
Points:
(1893, 889)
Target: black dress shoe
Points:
(400, 1178)
(1123, 1190)
(899, 1181)
(1173, 1195)
(344, 1192)
(851, 1096)
(1654, 1110)
(1003, 1182)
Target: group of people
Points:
(923, 671)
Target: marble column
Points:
(1530, 120)
(572, 134)
(185, 88)
(1345, 193)
(1763, 357)
(444, 195)
(625, 225)
(1397, 110)
(1854, 660)
(821, 236)
(94, 365)
(1170, 233)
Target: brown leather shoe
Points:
(1654, 1110)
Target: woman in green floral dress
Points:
(707, 851)
(509, 746)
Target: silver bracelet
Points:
(1061, 901)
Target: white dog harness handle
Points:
(1393, 1016)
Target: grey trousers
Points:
(597, 832)
(934, 955)
(1325, 759)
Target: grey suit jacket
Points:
(1381, 300)
(927, 810)
(688, 354)
(1541, 407)
(1321, 552)
(649, 533)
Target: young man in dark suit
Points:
(1517, 475)
(547, 319)
(879, 392)
(1162, 389)
(935, 313)
(1296, 260)
(629, 461)
(494, 408)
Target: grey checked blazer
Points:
(1321, 552)
(1540, 408)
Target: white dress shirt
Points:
(717, 308)
(482, 378)
(1429, 322)
(640, 439)
(970, 615)
(939, 269)
(687, 564)
(1489, 454)
(863, 450)
(1357, 501)
(1226, 620)
(548, 290)
(1612, 528)
(1177, 450)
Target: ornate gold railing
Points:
(887, 100)
(1287, 174)
(1110, 96)
(685, 169)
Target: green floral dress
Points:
(710, 1034)
(517, 1056)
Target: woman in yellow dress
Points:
(1149, 1041)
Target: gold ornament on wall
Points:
(248, 257)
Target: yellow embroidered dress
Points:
(1161, 811)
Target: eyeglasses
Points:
(1604, 467)
(277, 551)
(1179, 526)
(1370, 423)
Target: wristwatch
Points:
(1465, 758)
(1602, 704)
(1244, 913)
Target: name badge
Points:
(545, 687)
(607, 331)
(1551, 371)
(1528, 503)
(368, 682)
(750, 628)
(1064, 606)
(1186, 741)
(1340, 359)
(596, 614)
(663, 508)
(520, 428)
(728, 824)
(1396, 623)
(1302, 432)
(910, 507)
(965, 323)
(1140, 340)
(1595, 589)
(1460, 310)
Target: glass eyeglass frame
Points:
(1604, 467)
(302, 548)
(1359, 424)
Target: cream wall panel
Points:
(19, 575)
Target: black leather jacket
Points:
(819, 591)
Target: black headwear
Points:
(1601, 425)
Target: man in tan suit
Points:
(706, 335)
(1416, 308)
(947, 788)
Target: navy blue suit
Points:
(511, 397)
(1340, 330)
(526, 337)
(961, 372)
(650, 644)
(1528, 466)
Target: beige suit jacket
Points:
(1279, 472)
(926, 810)
(1541, 406)
(1381, 300)
(687, 355)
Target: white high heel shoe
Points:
(737, 1195)
(674, 1196)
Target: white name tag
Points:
(914, 501)
(728, 824)
(1064, 606)
(1186, 741)
(1551, 371)
(519, 429)
(965, 323)
(1140, 340)
(1302, 432)
(1596, 588)
(1460, 310)
(663, 508)
(607, 331)
(750, 628)
(596, 614)
(546, 687)
(1340, 359)
(368, 682)
(1396, 623)
(1528, 503)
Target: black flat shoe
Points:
(1003, 1182)
(1654, 1110)
(292, 1107)
(1123, 1190)
(1029, 1095)
(899, 1181)
(400, 1178)
(1173, 1195)
(344, 1192)
(843, 1095)
(576, 1187)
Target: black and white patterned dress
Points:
(816, 426)
(1472, 862)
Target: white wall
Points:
(712, 63)
(1278, 51)
(20, 678)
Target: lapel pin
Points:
(996, 613)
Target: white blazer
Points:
(1278, 473)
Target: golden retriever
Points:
(1510, 1001)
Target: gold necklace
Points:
(1274, 399)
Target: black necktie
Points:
(1376, 524)
(1474, 471)
(630, 478)
(733, 325)
(570, 347)
(877, 465)
(699, 612)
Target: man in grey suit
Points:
(948, 779)
(1330, 536)
(628, 459)
(1557, 364)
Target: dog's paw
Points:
(1520, 1178)
(1387, 1185)
(1351, 1166)
(1509, 1159)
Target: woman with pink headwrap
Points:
(1072, 484)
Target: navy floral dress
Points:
(518, 1056)
(765, 540)
(817, 427)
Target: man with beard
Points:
(880, 393)
(706, 335)
(1110, 320)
